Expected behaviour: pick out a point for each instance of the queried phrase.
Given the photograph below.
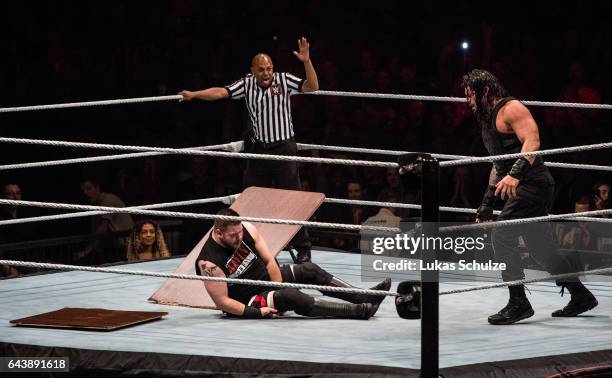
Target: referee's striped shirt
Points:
(269, 108)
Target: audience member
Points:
(146, 242)
(580, 235)
(102, 224)
(601, 196)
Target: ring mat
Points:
(95, 319)
(253, 202)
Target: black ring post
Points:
(430, 216)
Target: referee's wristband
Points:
(251, 312)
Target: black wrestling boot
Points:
(518, 308)
(342, 310)
(375, 300)
(302, 257)
(582, 300)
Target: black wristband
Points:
(251, 312)
(520, 166)
(489, 197)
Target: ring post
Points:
(428, 168)
(430, 216)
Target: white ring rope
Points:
(223, 147)
(302, 159)
(528, 281)
(319, 93)
(174, 214)
(449, 209)
(562, 150)
(233, 147)
(399, 205)
(228, 200)
(392, 96)
(238, 146)
(305, 146)
(512, 222)
(91, 103)
(353, 227)
(240, 281)
(190, 151)
(284, 284)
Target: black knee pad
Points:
(311, 273)
(293, 299)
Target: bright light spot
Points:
(465, 45)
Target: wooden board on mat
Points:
(253, 202)
(95, 319)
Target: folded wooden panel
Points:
(253, 202)
(96, 319)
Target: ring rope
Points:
(239, 281)
(191, 151)
(453, 99)
(511, 222)
(90, 103)
(563, 150)
(174, 214)
(450, 209)
(353, 227)
(233, 147)
(197, 278)
(319, 93)
(306, 146)
(302, 159)
(528, 281)
(238, 146)
(228, 200)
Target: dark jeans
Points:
(532, 200)
(276, 174)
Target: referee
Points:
(270, 128)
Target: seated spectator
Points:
(106, 223)
(601, 195)
(11, 191)
(582, 235)
(354, 214)
(12, 233)
(146, 242)
(386, 216)
(400, 191)
(8, 271)
(16, 232)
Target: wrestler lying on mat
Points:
(237, 250)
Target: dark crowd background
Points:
(55, 52)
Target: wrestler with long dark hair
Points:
(528, 188)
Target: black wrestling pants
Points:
(532, 200)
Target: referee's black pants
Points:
(532, 200)
(276, 174)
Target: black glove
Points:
(251, 313)
(485, 211)
(519, 168)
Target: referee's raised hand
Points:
(303, 55)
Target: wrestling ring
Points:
(451, 339)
